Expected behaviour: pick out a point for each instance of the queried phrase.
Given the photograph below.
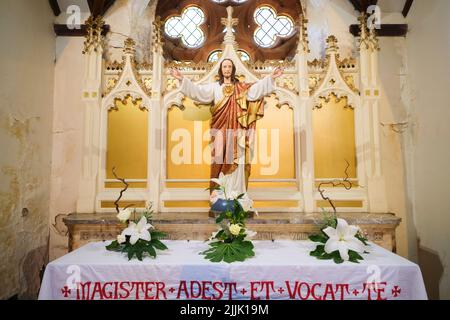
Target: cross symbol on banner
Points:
(66, 291)
(355, 292)
(396, 291)
(243, 291)
(172, 290)
(281, 290)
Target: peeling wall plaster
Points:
(26, 92)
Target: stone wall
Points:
(26, 93)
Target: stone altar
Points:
(85, 228)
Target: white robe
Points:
(213, 92)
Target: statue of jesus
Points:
(236, 108)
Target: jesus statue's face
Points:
(227, 69)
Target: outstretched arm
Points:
(264, 86)
(199, 93)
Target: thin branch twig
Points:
(347, 184)
(116, 203)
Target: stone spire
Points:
(229, 23)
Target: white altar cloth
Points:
(279, 270)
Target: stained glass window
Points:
(271, 26)
(187, 27)
(214, 56)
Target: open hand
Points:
(277, 72)
(176, 74)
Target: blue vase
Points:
(222, 205)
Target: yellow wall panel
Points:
(275, 204)
(186, 204)
(340, 204)
(275, 158)
(188, 154)
(123, 204)
(127, 141)
(334, 139)
(131, 185)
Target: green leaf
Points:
(151, 251)
(354, 256)
(158, 235)
(158, 244)
(216, 252)
(337, 257)
(212, 188)
(220, 217)
(139, 255)
(362, 239)
(114, 246)
(318, 238)
(219, 234)
(320, 250)
(215, 244)
(229, 252)
(130, 253)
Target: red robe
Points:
(234, 112)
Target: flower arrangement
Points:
(232, 241)
(139, 238)
(339, 242)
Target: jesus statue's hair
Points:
(233, 72)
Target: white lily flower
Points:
(124, 215)
(221, 180)
(214, 234)
(224, 182)
(250, 234)
(138, 231)
(232, 195)
(246, 203)
(343, 239)
(216, 195)
(121, 239)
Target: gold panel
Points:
(339, 204)
(123, 204)
(275, 184)
(127, 141)
(355, 184)
(186, 204)
(334, 139)
(201, 185)
(120, 185)
(194, 122)
(278, 126)
(187, 151)
(275, 204)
